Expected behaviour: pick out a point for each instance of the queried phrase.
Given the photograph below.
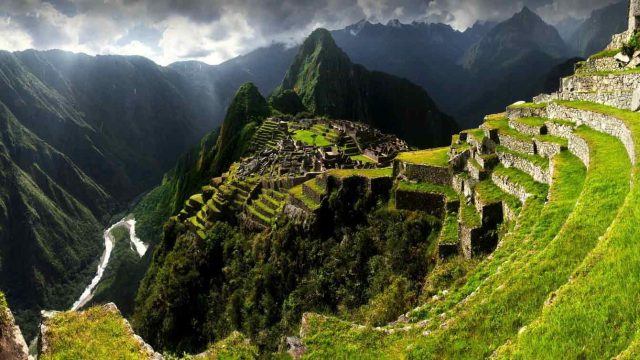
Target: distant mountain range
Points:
(452, 66)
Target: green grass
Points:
(260, 215)
(434, 157)
(96, 333)
(299, 194)
(477, 134)
(363, 159)
(528, 106)
(470, 216)
(604, 54)
(523, 179)
(596, 315)
(449, 232)
(538, 225)
(539, 265)
(368, 173)
(488, 193)
(531, 121)
(534, 159)
(552, 139)
(312, 139)
(4, 309)
(424, 187)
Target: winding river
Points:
(134, 242)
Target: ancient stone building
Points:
(634, 16)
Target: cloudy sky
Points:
(216, 30)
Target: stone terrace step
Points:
(560, 128)
(599, 117)
(488, 200)
(529, 126)
(534, 165)
(598, 63)
(598, 82)
(549, 146)
(526, 110)
(619, 99)
(518, 183)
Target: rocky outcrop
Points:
(12, 343)
(48, 328)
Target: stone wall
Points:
(522, 112)
(538, 173)
(579, 147)
(509, 213)
(526, 129)
(491, 214)
(509, 187)
(516, 144)
(424, 173)
(545, 98)
(618, 99)
(548, 149)
(430, 203)
(599, 122)
(560, 130)
(475, 241)
(602, 83)
(598, 65)
(311, 194)
(618, 40)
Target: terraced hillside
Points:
(541, 203)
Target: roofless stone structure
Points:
(634, 16)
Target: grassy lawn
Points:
(310, 138)
(489, 193)
(434, 157)
(92, 334)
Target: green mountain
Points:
(81, 137)
(328, 83)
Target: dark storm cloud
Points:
(214, 30)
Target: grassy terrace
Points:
(488, 193)
(434, 157)
(363, 159)
(531, 121)
(469, 216)
(598, 311)
(537, 227)
(477, 134)
(449, 232)
(310, 138)
(424, 187)
(299, 194)
(540, 264)
(604, 54)
(523, 179)
(368, 173)
(552, 139)
(96, 333)
(534, 159)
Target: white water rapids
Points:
(136, 245)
